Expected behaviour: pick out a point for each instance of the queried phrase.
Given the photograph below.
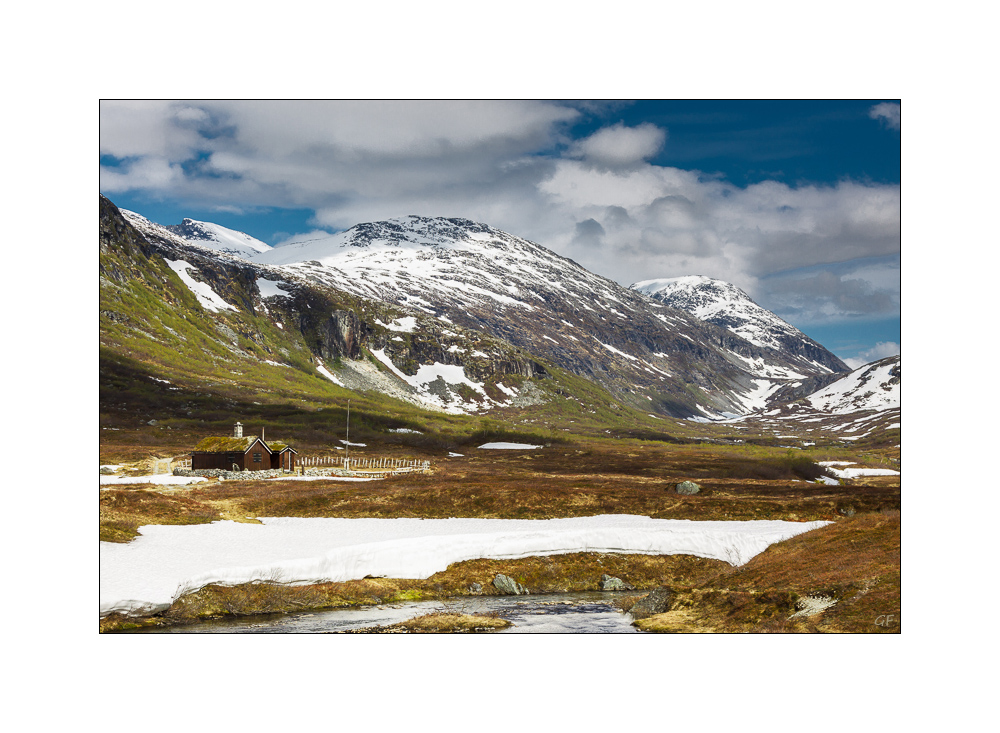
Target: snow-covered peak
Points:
(704, 297)
(201, 234)
(726, 305)
(409, 233)
(439, 264)
(218, 238)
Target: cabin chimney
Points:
(238, 430)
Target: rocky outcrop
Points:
(509, 586)
(340, 336)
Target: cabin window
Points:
(256, 457)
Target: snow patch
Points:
(272, 288)
(329, 375)
(159, 479)
(167, 561)
(207, 297)
(403, 325)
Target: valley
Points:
(445, 335)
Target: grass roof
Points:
(225, 445)
(230, 444)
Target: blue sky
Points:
(797, 202)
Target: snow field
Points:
(165, 562)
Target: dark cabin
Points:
(239, 453)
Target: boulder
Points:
(509, 586)
(609, 583)
(659, 601)
(106, 471)
(476, 588)
(688, 487)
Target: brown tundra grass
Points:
(856, 561)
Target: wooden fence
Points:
(364, 464)
(395, 465)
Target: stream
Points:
(558, 613)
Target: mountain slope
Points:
(438, 311)
(463, 272)
(874, 386)
(725, 305)
(193, 317)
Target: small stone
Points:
(476, 588)
(688, 487)
(609, 583)
(509, 586)
(659, 601)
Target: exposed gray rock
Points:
(609, 583)
(688, 487)
(475, 588)
(509, 586)
(340, 335)
(659, 601)
(105, 471)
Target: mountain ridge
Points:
(443, 276)
(469, 272)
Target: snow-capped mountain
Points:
(206, 313)
(204, 234)
(483, 278)
(445, 277)
(726, 305)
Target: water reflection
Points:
(564, 613)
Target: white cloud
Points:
(880, 350)
(667, 222)
(155, 129)
(618, 146)
(149, 172)
(602, 203)
(887, 112)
